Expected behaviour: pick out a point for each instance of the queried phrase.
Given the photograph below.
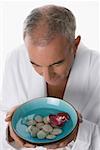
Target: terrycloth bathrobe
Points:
(22, 83)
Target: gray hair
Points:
(53, 19)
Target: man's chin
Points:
(54, 83)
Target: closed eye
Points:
(36, 65)
(56, 63)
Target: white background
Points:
(13, 13)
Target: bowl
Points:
(44, 106)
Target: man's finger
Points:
(80, 117)
(28, 145)
(50, 149)
(18, 140)
(8, 118)
(63, 144)
(51, 146)
(10, 113)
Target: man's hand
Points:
(23, 143)
(12, 136)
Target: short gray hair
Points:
(59, 20)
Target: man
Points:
(54, 63)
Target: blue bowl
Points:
(44, 107)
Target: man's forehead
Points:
(43, 41)
(48, 54)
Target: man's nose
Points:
(47, 73)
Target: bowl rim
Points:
(51, 142)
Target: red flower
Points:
(59, 119)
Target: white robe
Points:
(21, 83)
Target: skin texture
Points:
(53, 61)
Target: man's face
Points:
(53, 61)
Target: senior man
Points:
(53, 62)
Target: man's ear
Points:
(76, 43)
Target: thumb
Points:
(10, 113)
